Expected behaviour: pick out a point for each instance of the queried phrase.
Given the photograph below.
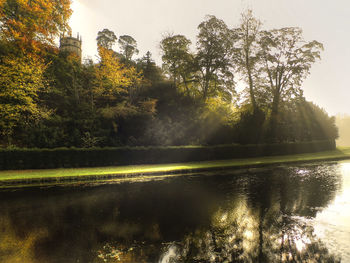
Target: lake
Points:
(298, 213)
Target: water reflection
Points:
(270, 215)
(17, 246)
(333, 223)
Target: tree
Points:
(64, 76)
(246, 55)
(214, 52)
(21, 79)
(88, 77)
(106, 38)
(287, 60)
(128, 46)
(177, 59)
(31, 23)
(112, 77)
(110, 74)
(149, 68)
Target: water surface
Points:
(278, 214)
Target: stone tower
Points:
(71, 44)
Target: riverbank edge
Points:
(14, 178)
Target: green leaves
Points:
(214, 51)
(176, 55)
(21, 79)
(128, 46)
(207, 72)
(106, 38)
(287, 59)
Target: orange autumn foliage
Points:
(31, 23)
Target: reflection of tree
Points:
(266, 225)
(16, 246)
(235, 236)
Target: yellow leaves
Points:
(114, 78)
(20, 81)
(114, 81)
(223, 111)
(120, 110)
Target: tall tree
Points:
(214, 50)
(128, 46)
(177, 59)
(106, 38)
(287, 60)
(149, 68)
(112, 77)
(31, 23)
(247, 49)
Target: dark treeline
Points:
(49, 98)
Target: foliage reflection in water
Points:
(277, 214)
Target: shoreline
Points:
(67, 176)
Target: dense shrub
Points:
(90, 157)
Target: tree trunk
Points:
(251, 91)
(274, 115)
(205, 93)
(186, 86)
(251, 85)
(206, 83)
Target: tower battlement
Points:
(71, 44)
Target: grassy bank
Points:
(104, 173)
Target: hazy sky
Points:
(327, 21)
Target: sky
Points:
(327, 21)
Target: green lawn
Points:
(76, 174)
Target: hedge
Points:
(11, 159)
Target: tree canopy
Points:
(214, 49)
(31, 23)
(246, 53)
(106, 38)
(128, 46)
(177, 59)
(287, 60)
(20, 84)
